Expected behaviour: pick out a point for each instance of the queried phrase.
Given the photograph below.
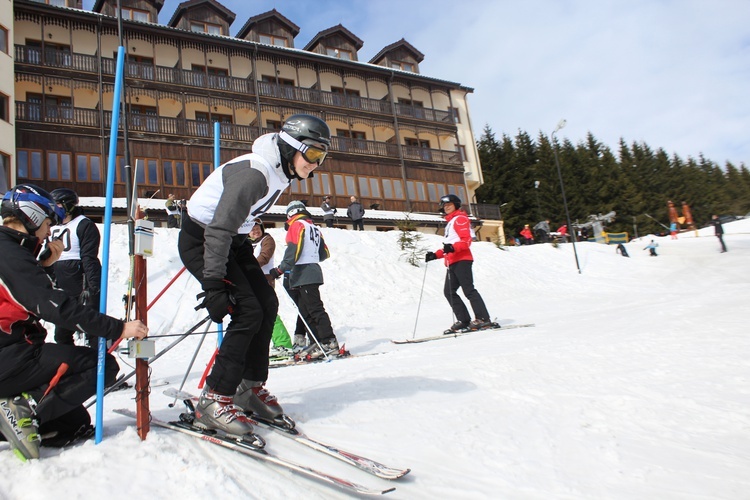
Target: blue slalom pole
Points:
(217, 162)
(111, 171)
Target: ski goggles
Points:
(312, 153)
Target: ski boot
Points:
(458, 327)
(480, 324)
(330, 347)
(218, 412)
(19, 425)
(280, 352)
(255, 399)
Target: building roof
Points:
(275, 14)
(100, 3)
(338, 29)
(184, 6)
(418, 56)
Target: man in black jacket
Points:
(78, 270)
(43, 385)
(719, 231)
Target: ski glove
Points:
(448, 248)
(217, 299)
(429, 256)
(275, 273)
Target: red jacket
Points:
(458, 234)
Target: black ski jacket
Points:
(75, 276)
(27, 296)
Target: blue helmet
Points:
(31, 204)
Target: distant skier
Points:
(651, 247)
(303, 278)
(621, 250)
(459, 260)
(719, 231)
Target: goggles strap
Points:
(299, 146)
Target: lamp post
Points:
(538, 205)
(560, 125)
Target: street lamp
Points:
(538, 205)
(562, 188)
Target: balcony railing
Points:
(84, 63)
(179, 127)
(486, 211)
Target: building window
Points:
(273, 40)
(416, 190)
(28, 164)
(199, 171)
(3, 39)
(458, 190)
(88, 168)
(135, 14)
(57, 3)
(344, 185)
(392, 189)
(59, 167)
(321, 183)
(4, 172)
(199, 27)
(299, 186)
(4, 107)
(403, 65)
(435, 191)
(454, 113)
(273, 124)
(174, 173)
(461, 152)
(339, 53)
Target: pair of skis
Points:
(363, 463)
(460, 333)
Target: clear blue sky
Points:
(672, 73)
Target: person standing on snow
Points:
(78, 270)
(214, 246)
(32, 404)
(264, 247)
(528, 238)
(651, 247)
(719, 231)
(305, 248)
(355, 212)
(329, 211)
(459, 260)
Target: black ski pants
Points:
(243, 353)
(310, 305)
(459, 274)
(62, 409)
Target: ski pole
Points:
(309, 330)
(124, 378)
(190, 366)
(419, 305)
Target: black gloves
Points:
(275, 273)
(84, 298)
(429, 256)
(217, 299)
(448, 248)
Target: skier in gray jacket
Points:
(214, 247)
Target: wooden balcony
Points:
(89, 64)
(180, 128)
